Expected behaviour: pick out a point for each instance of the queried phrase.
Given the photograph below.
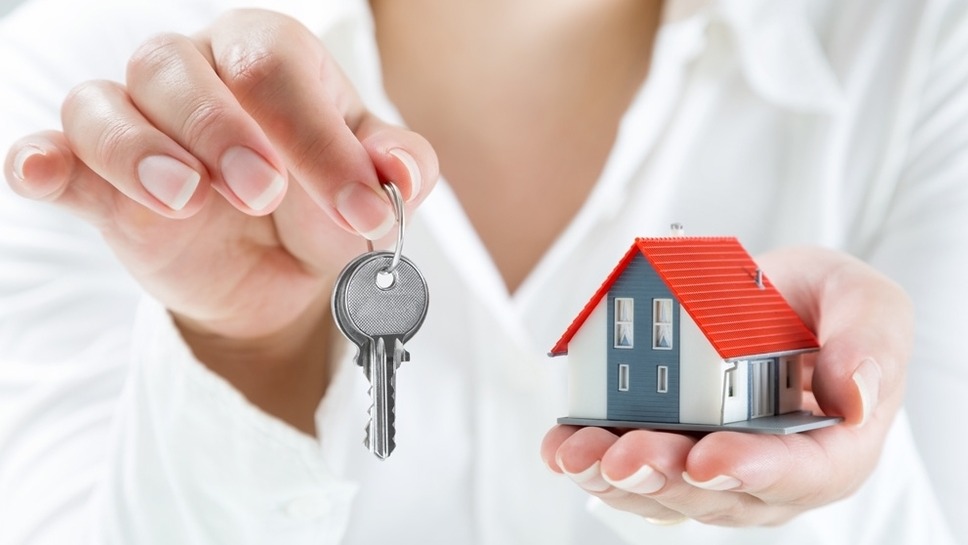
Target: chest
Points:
(521, 101)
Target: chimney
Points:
(676, 230)
(759, 278)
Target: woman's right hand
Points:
(256, 109)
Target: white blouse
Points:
(827, 122)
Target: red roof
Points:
(714, 279)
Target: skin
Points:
(249, 286)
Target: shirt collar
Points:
(778, 50)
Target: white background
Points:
(7, 5)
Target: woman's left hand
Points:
(864, 323)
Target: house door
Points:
(762, 388)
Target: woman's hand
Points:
(864, 324)
(256, 109)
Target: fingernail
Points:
(666, 522)
(867, 377)
(253, 180)
(24, 155)
(413, 170)
(168, 180)
(645, 480)
(366, 212)
(590, 479)
(718, 483)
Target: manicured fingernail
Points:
(645, 480)
(366, 212)
(253, 180)
(720, 482)
(590, 479)
(667, 522)
(168, 179)
(20, 160)
(413, 170)
(867, 377)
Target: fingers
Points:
(335, 148)
(728, 478)
(580, 454)
(111, 137)
(802, 470)
(641, 472)
(36, 167)
(43, 167)
(238, 109)
(579, 457)
(173, 85)
(402, 156)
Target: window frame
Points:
(658, 324)
(662, 379)
(623, 325)
(624, 377)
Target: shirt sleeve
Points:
(111, 432)
(192, 461)
(923, 244)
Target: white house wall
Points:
(587, 357)
(701, 376)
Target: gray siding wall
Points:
(642, 402)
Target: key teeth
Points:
(391, 444)
(391, 426)
(381, 369)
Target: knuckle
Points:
(155, 55)
(80, 95)
(734, 514)
(114, 138)
(266, 56)
(85, 117)
(305, 152)
(205, 116)
(246, 68)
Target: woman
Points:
(236, 168)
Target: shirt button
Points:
(309, 507)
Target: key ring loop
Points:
(397, 200)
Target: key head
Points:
(369, 303)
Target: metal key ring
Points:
(397, 200)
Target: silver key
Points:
(380, 311)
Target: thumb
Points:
(400, 156)
(864, 322)
(849, 380)
(865, 330)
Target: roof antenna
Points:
(677, 230)
(759, 278)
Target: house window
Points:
(662, 324)
(624, 307)
(789, 372)
(662, 379)
(731, 383)
(623, 377)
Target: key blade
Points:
(380, 430)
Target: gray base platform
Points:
(782, 424)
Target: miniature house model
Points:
(687, 333)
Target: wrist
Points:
(285, 373)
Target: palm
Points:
(239, 275)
